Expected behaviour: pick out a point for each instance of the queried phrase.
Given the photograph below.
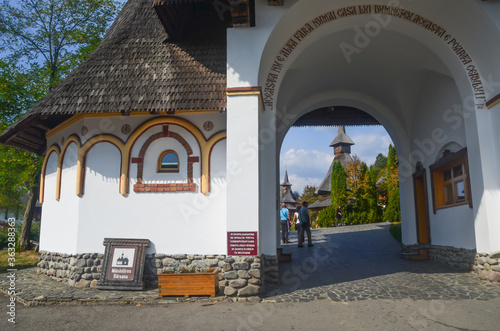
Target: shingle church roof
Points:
(135, 68)
(341, 138)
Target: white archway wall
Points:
(102, 213)
(215, 203)
(478, 25)
(58, 226)
(164, 218)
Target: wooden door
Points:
(421, 209)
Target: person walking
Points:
(339, 216)
(296, 220)
(284, 220)
(305, 225)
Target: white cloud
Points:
(305, 162)
(305, 167)
(368, 146)
(298, 183)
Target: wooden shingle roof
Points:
(341, 138)
(135, 68)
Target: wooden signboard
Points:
(123, 267)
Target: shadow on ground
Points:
(363, 262)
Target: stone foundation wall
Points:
(81, 270)
(238, 276)
(488, 266)
(270, 271)
(459, 258)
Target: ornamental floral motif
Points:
(85, 130)
(126, 129)
(208, 126)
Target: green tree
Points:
(53, 37)
(338, 186)
(309, 194)
(59, 34)
(362, 194)
(392, 211)
(380, 165)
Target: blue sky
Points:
(306, 154)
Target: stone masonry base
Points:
(238, 276)
(486, 265)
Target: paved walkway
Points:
(361, 262)
(346, 264)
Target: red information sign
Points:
(242, 243)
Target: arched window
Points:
(168, 162)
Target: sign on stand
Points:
(123, 267)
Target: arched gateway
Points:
(171, 130)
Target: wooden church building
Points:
(176, 122)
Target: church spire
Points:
(341, 138)
(286, 182)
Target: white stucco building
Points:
(174, 124)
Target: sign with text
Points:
(123, 266)
(242, 243)
(122, 263)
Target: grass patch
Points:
(25, 259)
(395, 230)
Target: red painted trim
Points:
(492, 100)
(189, 186)
(149, 127)
(244, 89)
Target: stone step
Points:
(418, 254)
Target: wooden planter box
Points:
(188, 284)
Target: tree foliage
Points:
(59, 34)
(380, 165)
(309, 194)
(43, 40)
(392, 211)
(17, 94)
(338, 186)
(326, 216)
(363, 200)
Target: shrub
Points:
(392, 212)
(327, 216)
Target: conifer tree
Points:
(392, 211)
(339, 186)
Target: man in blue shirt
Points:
(285, 220)
(305, 225)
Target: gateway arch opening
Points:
(408, 83)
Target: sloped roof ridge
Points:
(136, 69)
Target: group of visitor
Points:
(302, 224)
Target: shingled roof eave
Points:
(121, 31)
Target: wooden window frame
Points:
(168, 171)
(448, 162)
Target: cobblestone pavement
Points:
(34, 289)
(346, 264)
(362, 262)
